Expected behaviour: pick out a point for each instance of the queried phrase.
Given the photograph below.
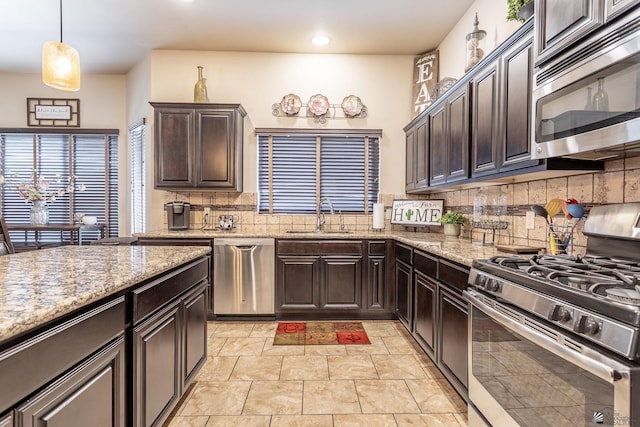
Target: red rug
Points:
(319, 333)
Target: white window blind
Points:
(137, 173)
(297, 170)
(56, 157)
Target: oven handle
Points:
(597, 368)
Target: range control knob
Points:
(591, 326)
(480, 280)
(561, 314)
(493, 285)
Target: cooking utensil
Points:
(541, 211)
(553, 207)
(575, 210)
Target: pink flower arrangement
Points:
(40, 189)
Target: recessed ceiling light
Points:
(320, 40)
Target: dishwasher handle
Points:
(244, 247)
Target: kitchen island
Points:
(100, 335)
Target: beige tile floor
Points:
(247, 381)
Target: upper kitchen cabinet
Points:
(417, 175)
(198, 146)
(561, 23)
(501, 111)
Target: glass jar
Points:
(475, 49)
(39, 214)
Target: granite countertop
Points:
(455, 249)
(39, 286)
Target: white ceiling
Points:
(112, 35)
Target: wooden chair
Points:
(5, 239)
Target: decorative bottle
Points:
(600, 98)
(39, 214)
(589, 105)
(200, 90)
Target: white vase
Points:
(39, 214)
(452, 230)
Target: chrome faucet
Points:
(320, 220)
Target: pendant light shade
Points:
(60, 64)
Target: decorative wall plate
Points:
(352, 106)
(291, 104)
(318, 105)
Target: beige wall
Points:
(102, 106)
(258, 80)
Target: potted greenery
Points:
(519, 10)
(452, 221)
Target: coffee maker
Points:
(178, 215)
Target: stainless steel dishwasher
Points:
(243, 276)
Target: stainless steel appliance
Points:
(178, 214)
(555, 340)
(243, 277)
(570, 115)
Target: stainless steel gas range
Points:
(555, 340)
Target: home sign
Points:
(417, 213)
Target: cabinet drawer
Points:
(426, 264)
(158, 293)
(454, 275)
(404, 253)
(377, 247)
(30, 365)
(320, 247)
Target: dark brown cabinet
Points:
(6, 421)
(501, 112)
(560, 23)
(198, 146)
(404, 284)
(159, 241)
(92, 394)
(431, 307)
(332, 278)
(417, 173)
(449, 139)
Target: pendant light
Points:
(60, 64)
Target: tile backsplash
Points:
(619, 182)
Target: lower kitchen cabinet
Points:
(328, 279)
(92, 394)
(453, 321)
(404, 284)
(168, 349)
(431, 307)
(159, 241)
(424, 324)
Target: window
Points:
(137, 168)
(299, 168)
(92, 157)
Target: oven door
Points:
(524, 372)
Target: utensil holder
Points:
(560, 237)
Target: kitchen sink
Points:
(318, 232)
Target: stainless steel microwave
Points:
(586, 103)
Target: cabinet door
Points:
(298, 283)
(515, 119)
(424, 318)
(410, 159)
(376, 289)
(458, 123)
(342, 283)
(422, 156)
(438, 146)
(614, 8)
(218, 154)
(92, 394)
(174, 142)
(6, 421)
(484, 111)
(156, 368)
(195, 334)
(560, 23)
(403, 293)
(452, 359)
